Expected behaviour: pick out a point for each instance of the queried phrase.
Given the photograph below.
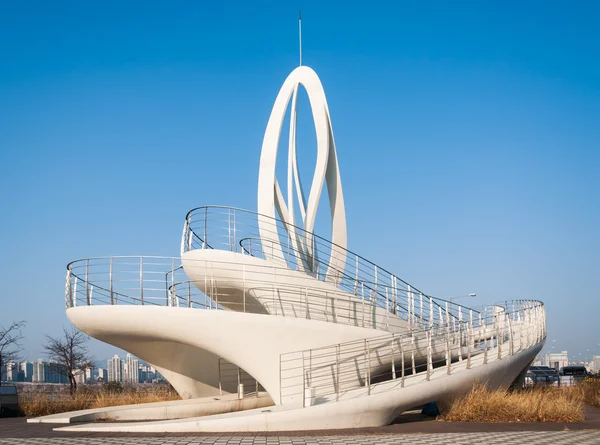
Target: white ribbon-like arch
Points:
(270, 197)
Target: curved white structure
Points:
(335, 340)
(270, 196)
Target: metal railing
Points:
(356, 368)
(162, 281)
(232, 376)
(138, 280)
(237, 230)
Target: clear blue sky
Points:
(467, 133)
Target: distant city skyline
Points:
(117, 370)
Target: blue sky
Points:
(467, 135)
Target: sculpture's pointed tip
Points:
(300, 33)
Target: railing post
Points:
(402, 357)
(448, 357)
(362, 287)
(240, 386)
(409, 309)
(337, 373)
(511, 348)
(306, 312)
(498, 341)
(470, 341)
(460, 334)
(235, 244)
(110, 274)
(393, 359)
(189, 295)
(142, 279)
(168, 301)
(430, 313)
(87, 283)
(220, 382)
(412, 353)
(229, 229)
(428, 354)
(303, 383)
(421, 309)
(68, 289)
(520, 331)
(368, 367)
(74, 292)
(394, 296)
(485, 349)
(204, 241)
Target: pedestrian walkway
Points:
(504, 438)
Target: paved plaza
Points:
(410, 428)
(504, 438)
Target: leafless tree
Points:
(10, 346)
(68, 354)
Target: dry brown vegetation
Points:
(591, 391)
(41, 404)
(538, 404)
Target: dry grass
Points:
(529, 405)
(591, 391)
(33, 405)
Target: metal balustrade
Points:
(161, 281)
(232, 376)
(354, 369)
(237, 230)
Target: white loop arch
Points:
(270, 196)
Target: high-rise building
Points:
(90, 374)
(556, 360)
(12, 371)
(55, 373)
(596, 363)
(132, 370)
(39, 372)
(102, 374)
(27, 369)
(115, 369)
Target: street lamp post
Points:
(473, 294)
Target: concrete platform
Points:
(177, 409)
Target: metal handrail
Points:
(162, 281)
(328, 373)
(234, 229)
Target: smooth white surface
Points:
(379, 408)
(271, 311)
(176, 409)
(327, 170)
(254, 342)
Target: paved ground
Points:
(409, 429)
(506, 438)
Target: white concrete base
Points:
(357, 410)
(177, 409)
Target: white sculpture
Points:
(346, 348)
(327, 170)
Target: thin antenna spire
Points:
(300, 33)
